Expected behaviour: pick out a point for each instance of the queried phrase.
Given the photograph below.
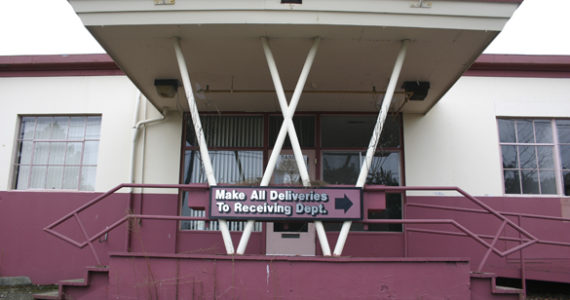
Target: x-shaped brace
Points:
(287, 127)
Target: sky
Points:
(51, 27)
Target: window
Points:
(239, 146)
(235, 145)
(535, 155)
(352, 135)
(57, 152)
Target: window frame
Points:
(319, 150)
(558, 171)
(20, 139)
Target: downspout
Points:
(136, 126)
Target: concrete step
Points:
(49, 295)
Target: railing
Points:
(525, 238)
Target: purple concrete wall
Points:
(260, 277)
(543, 262)
(25, 249)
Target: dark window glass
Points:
(547, 182)
(566, 178)
(355, 131)
(529, 182)
(543, 131)
(525, 133)
(512, 182)
(344, 167)
(510, 160)
(228, 131)
(507, 131)
(563, 127)
(304, 127)
(565, 156)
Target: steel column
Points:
(205, 155)
(375, 138)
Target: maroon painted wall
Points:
(543, 262)
(25, 249)
(265, 277)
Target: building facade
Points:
(109, 162)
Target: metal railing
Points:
(525, 238)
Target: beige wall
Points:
(457, 143)
(111, 96)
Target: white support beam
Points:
(205, 155)
(287, 128)
(374, 139)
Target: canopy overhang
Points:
(359, 43)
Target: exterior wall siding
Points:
(457, 142)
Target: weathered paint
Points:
(261, 277)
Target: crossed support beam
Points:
(287, 128)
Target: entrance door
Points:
(291, 238)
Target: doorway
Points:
(286, 237)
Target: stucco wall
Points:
(457, 142)
(114, 98)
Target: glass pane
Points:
(43, 128)
(385, 169)
(38, 177)
(23, 177)
(566, 178)
(54, 177)
(512, 182)
(547, 182)
(525, 132)
(286, 171)
(76, 128)
(545, 157)
(346, 131)
(90, 152)
(193, 171)
(70, 178)
(507, 131)
(26, 149)
(232, 167)
(509, 157)
(543, 131)
(390, 136)
(233, 131)
(304, 127)
(59, 128)
(73, 154)
(93, 127)
(57, 153)
(27, 130)
(529, 182)
(41, 153)
(527, 157)
(87, 182)
(341, 167)
(565, 156)
(563, 127)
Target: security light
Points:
(166, 87)
(417, 89)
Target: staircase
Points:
(94, 285)
(485, 284)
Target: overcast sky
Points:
(51, 27)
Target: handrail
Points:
(525, 241)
